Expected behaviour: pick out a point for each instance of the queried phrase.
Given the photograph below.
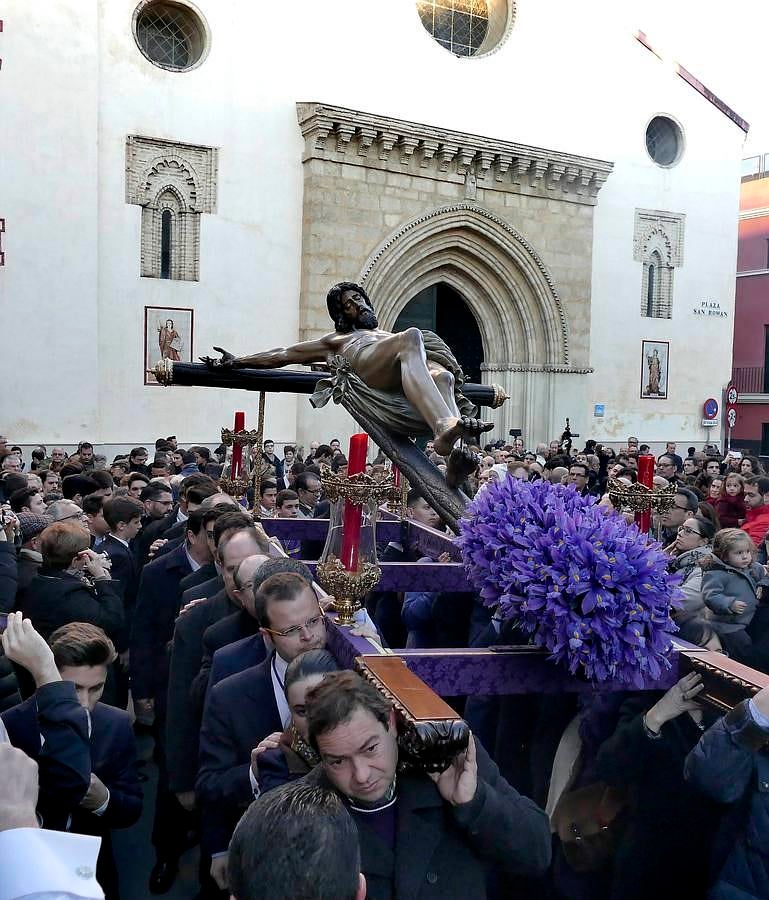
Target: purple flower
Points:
(583, 584)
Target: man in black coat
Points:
(157, 606)
(421, 836)
(123, 515)
(244, 709)
(63, 755)
(30, 559)
(82, 654)
(236, 538)
(233, 628)
(56, 596)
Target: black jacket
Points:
(64, 756)
(55, 598)
(125, 571)
(240, 711)
(233, 627)
(730, 764)
(669, 824)
(157, 604)
(444, 851)
(151, 532)
(27, 567)
(8, 576)
(185, 708)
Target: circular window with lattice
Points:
(664, 141)
(468, 28)
(173, 36)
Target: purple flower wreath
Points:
(584, 584)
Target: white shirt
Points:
(193, 562)
(48, 865)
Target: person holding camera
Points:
(73, 585)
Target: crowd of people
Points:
(140, 599)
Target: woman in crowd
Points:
(749, 465)
(693, 544)
(714, 490)
(665, 845)
(285, 757)
(730, 506)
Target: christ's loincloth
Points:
(390, 408)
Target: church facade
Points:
(555, 200)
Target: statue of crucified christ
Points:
(384, 361)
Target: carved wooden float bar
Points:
(273, 381)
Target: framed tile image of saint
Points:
(167, 336)
(654, 370)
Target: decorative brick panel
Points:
(658, 243)
(181, 178)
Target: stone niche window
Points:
(174, 184)
(467, 28)
(658, 246)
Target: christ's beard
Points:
(367, 319)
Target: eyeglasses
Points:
(78, 515)
(685, 529)
(210, 534)
(309, 491)
(682, 508)
(296, 630)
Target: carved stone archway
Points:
(522, 321)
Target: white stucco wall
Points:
(574, 82)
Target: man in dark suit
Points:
(244, 709)
(232, 629)
(234, 658)
(236, 538)
(422, 835)
(82, 654)
(123, 515)
(63, 756)
(171, 526)
(157, 606)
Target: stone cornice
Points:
(373, 141)
(525, 367)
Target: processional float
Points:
(431, 733)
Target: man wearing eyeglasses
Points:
(668, 468)
(685, 503)
(307, 485)
(244, 709)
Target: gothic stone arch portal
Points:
(401, 206)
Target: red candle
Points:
(396, 476)
(353, 515)
(237, 449)
(646, 477)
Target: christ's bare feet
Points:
(448, 432)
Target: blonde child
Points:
(730, 506)
(730, 586)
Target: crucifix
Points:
(398, 386)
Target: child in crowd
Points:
(730, 587)
(730, 506)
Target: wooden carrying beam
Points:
(430, 733)
(726, 681)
